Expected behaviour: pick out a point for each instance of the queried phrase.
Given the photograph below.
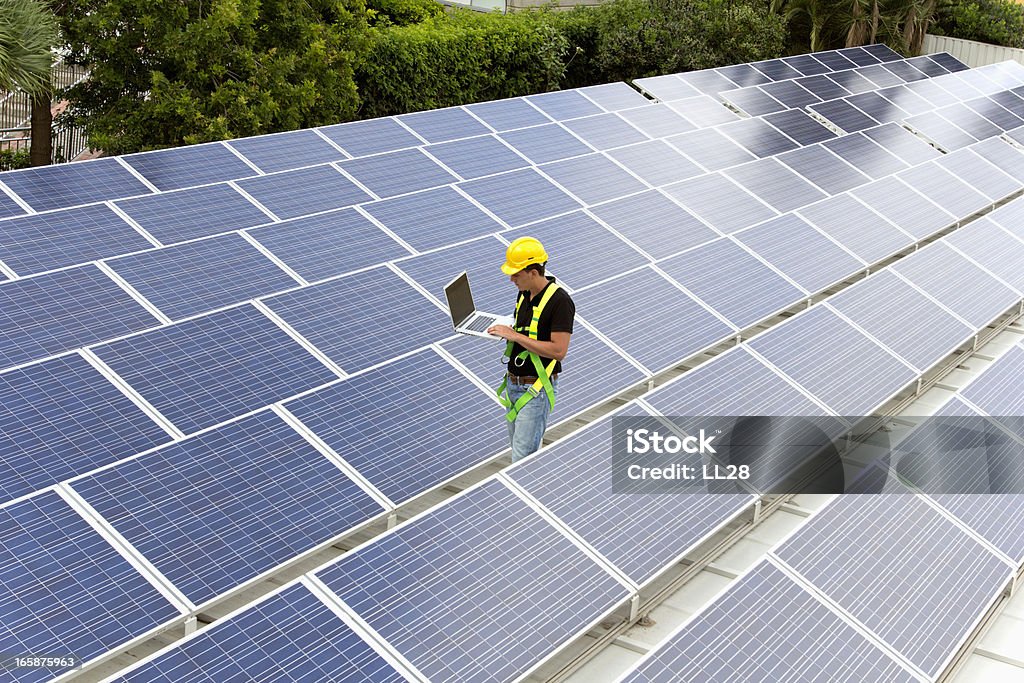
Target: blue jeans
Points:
(527, 431)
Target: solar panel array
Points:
(186, 291)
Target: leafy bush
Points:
(402, 12)
(11, 159)
(999, 22)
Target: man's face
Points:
(521, 280)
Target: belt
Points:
(525, 379)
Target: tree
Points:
(28, 32)
(166, 72)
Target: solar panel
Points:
(997, 392)
(858, 56)
(1003, 119)
(657, 120)
(48, 314)
(767, 627)
(394, 173)
(773, 182)
(1009, 216)
(905, 208)
(791, 93)
(1006, 100)
(743, 75)
(972, 123)
(654, 223)
(507, 114)
(458, 627)
(900, 142)
(703, 111)
(403, 440)
(207, 370)
(948, 61)
(290, 637)
(573, 240)
(65, 590)
(655, 162)
(806, 64)
(864, 154)
(961, 286)
(9, 207)
(883, 52)
(854, 382)
(856, 227)
(939, 131)
(995, 517)
(371, 136)
(980, 174)
(799, 126)
(328, 244)
(805, 255)
(945, 189)
(614, 96)
(896, 577)
(933, 92)
(666, 88)
(906, 99)
(477, 157)
(481, 258)
(834, 60)
(754, 290)
(440, 125)
(217, 510)
(708, 81)
(391, 317)
(62, 185)
(882, 76)
(197, 212)
(877, 107)
(669, 327)
(710, 148)
(1017, 135)
(843, 115)
(46, 241)
(298, 193)
(519, 197)
(993, 248)
(905, 70)
(777, 70)
(563, 104)
(852, 81)
(285, 151)
(758, 137)
(1006, 157)
(196, 277)
(60, 418)
(432, 218)
(640, 533)
(605, 131)
(752, 101)
(824, 169)
(179, 167)
(593, 178)
(823, 87)
(902, 318)
(719, 202)
(546, 143)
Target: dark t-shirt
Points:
(557, 316)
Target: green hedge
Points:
(999, 22)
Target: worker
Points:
(536, 345)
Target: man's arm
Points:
(556, 348)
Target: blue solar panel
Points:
(980, 174)
(974, 124)
(896, 578)
(993, 248)
(877, 107)
(9, 207)
(843, 115)
(734, 283)
(65, 590)
(285, 151)
(892, 74)
(885, 53)
(309, 190)
(805, 255)
(902, 318)
(593, 178)
(767, 627)
(61, 185)
(854, 382)
(704, 110)
(457, 627)
(208, 370)
(47, 314)
(670, 327)
(906, 208)
(65, 238)
(362, 319)
(477, 157)
(564, 104)
(948, 61)
(614, 96)
(1011, 217)
(1009, 159)
(439, 125)
(198, 212)
(666, 88)
(799, 126)
(807, 64)
(720, 202)
(291, 637)
(824, 169)
(936, 95)
(61, 418)
(823, 87)
(852, 81)
(743, 75)
(605, 131)
(776, 184)
(995, 113)
(173, 169)
(372, 136)
(657, 120)
(710, 148)
(433, 218)
(963, 287)
(758, 137)
(834, 60)
(394, 173)
(905, 145)
(520, 197)
(869, 236)
(656, 162)
(939, 131)
(752, 101)
(640, 533)
(707, 81)
(945, 189)
(196, 277)
(572, 241)
(504, 115)
(906, 99)
(865, 155)
(791, 94)
(328, 244)
(654, 223)
(403, 440)
(481, 258)
(997, 392)
(995, 517)
(219, 509)
(546, 143)
(1006, 100)
(777, 70)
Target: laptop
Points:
(465, 318)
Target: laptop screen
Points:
(460, 299)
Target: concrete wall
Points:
(970, 52)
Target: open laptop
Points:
(465, 318)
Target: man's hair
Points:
(539, 267)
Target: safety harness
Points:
(543, 373)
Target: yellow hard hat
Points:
(523, 252)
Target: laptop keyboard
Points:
(479, 323)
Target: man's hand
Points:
(503, 331)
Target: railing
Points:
(16, 115)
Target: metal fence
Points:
(16, 115)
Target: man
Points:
(536, 346)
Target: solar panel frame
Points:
(981, 175)
(180, 167)
(657, 120)
(371, 136)
(822, 87)
(791, 94)
(604, 131)
(564, 104)
(945, 189)
(743, 75)
(719, 202)
(432, 218)
(440, 125)
(904, 207)
(993, 248)
(843, 115)
(902, 144)
(851, 223)
(542, 144)
(825, 169)
(614, 96)
(394, 173)
(703, 111)
(654, 223)
(305, 191)
(752, 101)
(807, 64)
(519, 197)
(867, 156)
(940, 131)
(758, 137)
(476, 157)
(286, 151)
(503, 115)
(775, 184)
(711, 149)
(800, 127)
(63, 185)
(655, 162)
(479, 257)
(593, 178)
(666, 88)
